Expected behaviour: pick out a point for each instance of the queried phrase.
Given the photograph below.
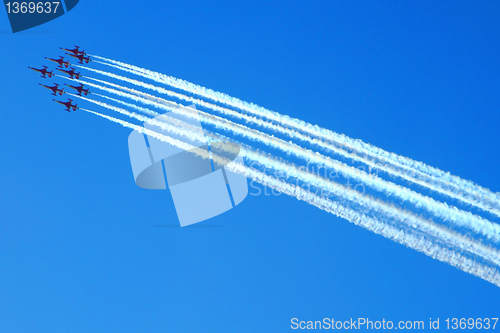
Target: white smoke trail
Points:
(408, 238)
(460, 218)
(294, 134)
(368, 204)
(469, 191)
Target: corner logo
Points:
(201, 188)
(26, 15)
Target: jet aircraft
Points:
(75, 51)
(70, 73)
(55, 89)
(79, 89)
(68, 105)
(43, 71)
(81, 58)
(60, 61)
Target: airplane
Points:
(70, 73)
(80, 57)
(55, 89)
(76, 51)
(59, 61)
(43, 71)
(68, 105)
(79, 89)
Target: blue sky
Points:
(77, 250)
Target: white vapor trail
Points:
(409, 237)
(459, 218)
(294, 134)
(369, 204)
(436, 179)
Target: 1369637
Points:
(32, 7)
(471, 323)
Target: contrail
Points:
(130, 105)
(459, 218)
(457, 249)
(375, 162)
(461, 242)
(420, 169)
(412, 239)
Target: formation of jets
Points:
(82, 57)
